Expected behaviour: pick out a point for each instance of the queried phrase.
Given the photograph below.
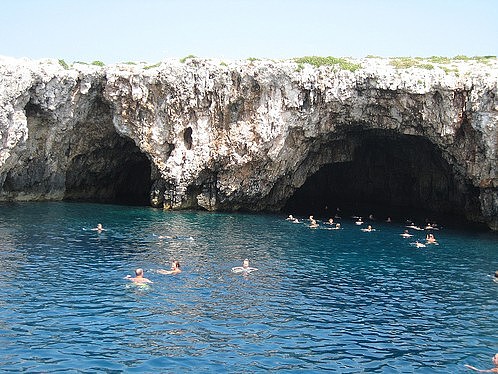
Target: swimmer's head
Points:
(496, 276)
(175, 265)
(245, 264)
(495, 359)
(139, 272)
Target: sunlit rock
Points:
(254, 135)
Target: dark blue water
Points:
(341, 300)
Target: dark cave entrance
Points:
(104, 166)
(388, 175)
(120, 174)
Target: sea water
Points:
(343, 300)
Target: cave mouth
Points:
(118, 173)
(387, 175)
(104, 166)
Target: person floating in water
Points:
(492, 370)
(245, 268)
(139, 277)
(495, 278)
(419, 245)
(406, 234)
(414, 227)
(313, 224)
(292, 219)
(359, 221)
(99, 228)
(175, 268)
(368, 229)
(430, 239)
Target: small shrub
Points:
(152, 66)
(300, 67)
(448, 70)
(318, 61)
(63, 64)
(439, 59)
(404, 62)
(182, 60)
(98, 63)
(426, 66)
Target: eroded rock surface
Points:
(253, 135)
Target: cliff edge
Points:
(259, 135)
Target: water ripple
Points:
(321, 300)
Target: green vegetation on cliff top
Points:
(345, 63)
(318, 61)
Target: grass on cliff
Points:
(408, 62)
(152, 66)
(427, 63)
(318, 61)
(184, 59)
(63, 64)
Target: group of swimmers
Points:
(175, 269)
(139, 277)
(430, 238)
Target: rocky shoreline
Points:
(256, 135)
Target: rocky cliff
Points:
(255, 135)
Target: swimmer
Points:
(414, 227)
(492, 370)
(430, 239)
(495, 278)
(337, 227)
(330, 221)
(176, 237)
(139, 277)
(245, 268)
(406, 234)
(359, 221)
(388, 220)
(419, 245)
(292, 219)
(175, 268)
(166, 237)
(313, 224)
(368, 229)
(99, 228)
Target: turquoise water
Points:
(341, 300)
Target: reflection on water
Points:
(340, 300)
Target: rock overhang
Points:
(248, 134)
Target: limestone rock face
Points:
(253, 135)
